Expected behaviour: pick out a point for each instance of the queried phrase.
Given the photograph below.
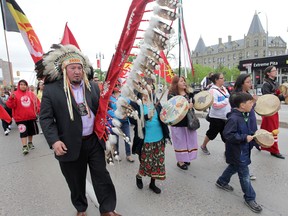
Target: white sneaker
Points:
(252, 177)
(6, 132)
(117, 158)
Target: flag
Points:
(4, 115)
(165, 70)
(8, 20)
(125, 70)
(24, 27)
(127, 38)
(184, 42)
(98, 63)
(68, 37)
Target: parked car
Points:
(229, 86)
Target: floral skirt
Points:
(152, 160)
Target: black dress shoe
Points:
(187, 163)
(139, 182)
(277, 155)
(183, 166)
(154, 188)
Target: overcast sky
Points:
(97, 25)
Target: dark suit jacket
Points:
(55, 119)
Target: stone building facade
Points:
(256, 44)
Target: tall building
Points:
(5, 76)
(256, 44)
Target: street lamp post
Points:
(99, 57)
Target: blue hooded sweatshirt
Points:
(237, 127)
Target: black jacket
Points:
(55, 119)
(271, 87)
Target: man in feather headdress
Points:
(68, 108)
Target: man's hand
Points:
(249, 138)
(59, 148)
(12, 92)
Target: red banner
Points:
(68, 37)
(165, 70)
(124, 47)
(4, 115)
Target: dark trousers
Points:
(5, 125)
(91, 154)
(244, 177)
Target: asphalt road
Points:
(32, 185)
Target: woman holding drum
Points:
(218, 110)
(271, 123)
(184, 140)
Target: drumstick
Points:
(253, 90)
(163, 92)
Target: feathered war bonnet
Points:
(53, 67)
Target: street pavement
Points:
(33, 185)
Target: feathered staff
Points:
(133, 20)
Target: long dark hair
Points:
(215, 77)
(174, 85)
(268, 70)
(240, 81)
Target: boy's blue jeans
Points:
(125, 127)
(244, 177)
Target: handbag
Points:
(193, 121)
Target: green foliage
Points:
(202, 71)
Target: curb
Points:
(281, 124)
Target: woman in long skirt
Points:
(184, 140)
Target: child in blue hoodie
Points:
(238, 132)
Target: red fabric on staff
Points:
(68, 37)
(4, 115)
(271, 123)
(129, 32)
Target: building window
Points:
(234, 56)
(240, 56)
(264, 43)
(228, 57)
(247, 55)
(256, 53)
(247, 44)
(220, 50)
(256, 43)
